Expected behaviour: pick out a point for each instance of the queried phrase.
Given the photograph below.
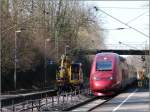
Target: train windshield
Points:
(104, 65)
(75, 72)
(75, 68)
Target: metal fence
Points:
(49, 103)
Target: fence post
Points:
(63, 100)
(75, 93)
(13, 106)
(67, 97)
(46, 99)
(32, 105)
(79, 95)
(71, 96)
(52, 102)
(58, 98)
(39, 104)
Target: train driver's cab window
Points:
(75, 69)
(103, 65)
(75, 72)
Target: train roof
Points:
(108, 53)
(111, 53)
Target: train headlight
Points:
(110, 78)
(96, 78)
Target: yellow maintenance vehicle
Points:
(69, 74)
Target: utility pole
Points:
(15, 60)
(45, 60)
(56, 28)
(56, 43)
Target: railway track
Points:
(93, 103)
(90, 105)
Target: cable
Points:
(124, 7)
(125, 24)
(114, 28)
(136, 17)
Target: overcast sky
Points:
(134, 12)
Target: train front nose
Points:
(102, 84)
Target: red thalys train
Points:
(109, 73)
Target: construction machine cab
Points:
(76, 76)
(69, 74)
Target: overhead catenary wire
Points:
(137, 17)
(124, 8)
(124, 23)
(3, 31)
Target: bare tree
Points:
(64, 22)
